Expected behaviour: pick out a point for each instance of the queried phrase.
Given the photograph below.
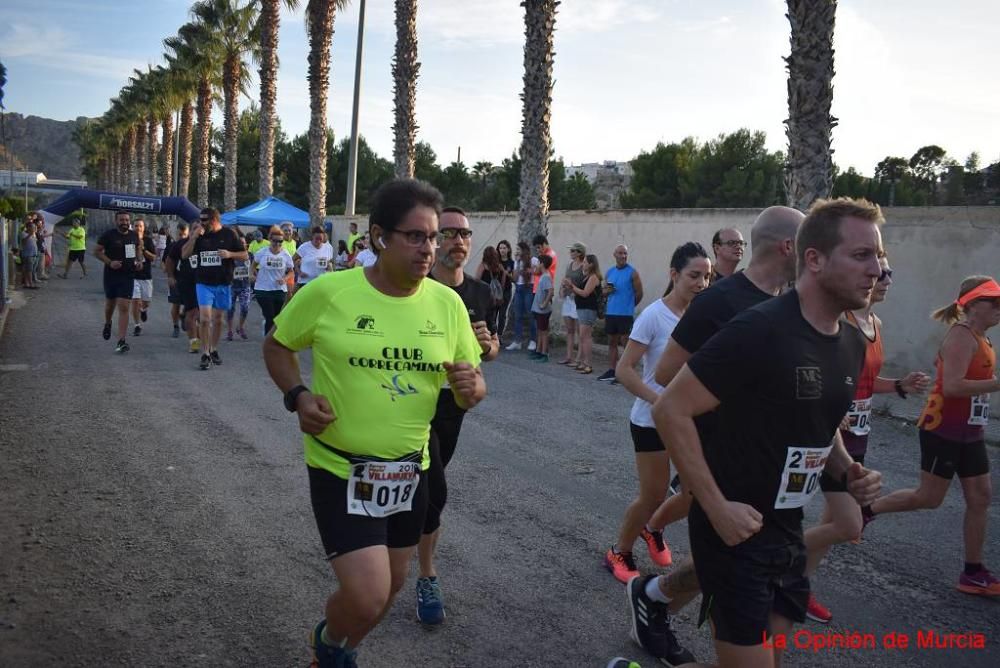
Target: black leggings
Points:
(445, 427)
(270, 302)
(504, 308)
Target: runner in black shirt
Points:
(171, 267)
(215, 248)
(142, 291)
(119, 250)
(183, 272)
(456, 241)
(782, 376)
(771, 268)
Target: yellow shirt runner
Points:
(378, 360)
(77, 238)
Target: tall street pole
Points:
(352, 164)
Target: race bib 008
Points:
(859, 417)
(380, 489)
(210, 259)
(800, 478)
(979, 410)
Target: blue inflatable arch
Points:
(84, 198)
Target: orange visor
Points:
(988, 289)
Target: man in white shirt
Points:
(365, 258)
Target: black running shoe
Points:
(651, 624)
(206, 363)
(137, 331)
(107, 331)
(142, 315)
(216, 360)
(122, 347)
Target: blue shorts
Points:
(214, 296)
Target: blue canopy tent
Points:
(267, 212)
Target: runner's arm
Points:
(956, 354)
(673, 358)
(188, 248)
(912, 383)
(626, 374)
(314, 410)
(862, 483)
(637, 286)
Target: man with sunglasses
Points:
(728, 246)
(452, 256)
(384, 341)
(215, 247)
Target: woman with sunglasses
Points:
(952, 426)
(842, 518)
(271, 268)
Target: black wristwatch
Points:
(292, 395)
(899, 388)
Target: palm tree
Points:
(536, 141)
(231, 29)
(269, 21)
(810, 96)
(319, 22)
(186, 79)
(405, 70)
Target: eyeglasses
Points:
(204, 220)
(886, 273)
(734, 243)
(417, 238)
(452, 232)
(277, 239)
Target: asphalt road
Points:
(157, 515)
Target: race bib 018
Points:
(979, 411)
(380, 489)
(210, 259)
(859, 417)
(800, 478)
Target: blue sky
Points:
(628, 73)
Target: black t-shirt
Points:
(476, 296)
(212, 269)
(121, 247)
(146, 273)
(183, 269)
(783, 388)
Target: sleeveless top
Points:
(860, 413)
(961, 419)
(621, 301)
(588, 302)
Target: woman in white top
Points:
(315, 258)
(271, 267)
(690, 270)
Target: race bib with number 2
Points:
(800, 478)
(979, 410)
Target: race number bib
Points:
(321, 262)
(241, 272)
(210, 259)
(380, 489)
(275, 262)
(859, 417)
(979, 413)
(194, 261)
(800, 479)
(129, 251)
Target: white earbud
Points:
(381, 243)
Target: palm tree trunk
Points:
(230, 84)
(186, 141)
(133, 166)
(536, 140)
(123, 166)
(405, 70)
(168, 154)
(320, 18)
(810, 96)
(142, 152)
(204, 136)
(154, 156)
(269, 22)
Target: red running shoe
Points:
(982, 583)
(658, 550)
(818, 612)
(621, 565)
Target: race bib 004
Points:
(210, 259)
(979, 410)
(800, 478)
(859, 417)
(380, 489)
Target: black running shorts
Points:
(342, 532)
(445, 428)
(188, 295)
(645, 439)
(77, 256)
(620, 325)
(118, 285)
(742, 585)
(945, 459)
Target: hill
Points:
(43, 145)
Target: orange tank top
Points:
(859, 416)
(961, 419)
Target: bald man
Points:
(771, 269)
(728, 246)
(624, 289)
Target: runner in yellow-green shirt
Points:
(77, 237)
(257, 243)
(384, 341)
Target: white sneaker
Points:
(532, 346)
(514, 346)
